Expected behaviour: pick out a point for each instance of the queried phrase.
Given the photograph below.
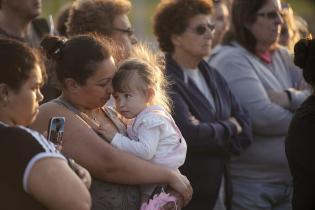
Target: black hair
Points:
(304, 57)
(76, 58)
(16, 63)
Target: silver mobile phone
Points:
(56, 128)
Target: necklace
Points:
(93, 116)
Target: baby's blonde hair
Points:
(149, 68)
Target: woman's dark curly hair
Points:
(172, 17)
(304, 57)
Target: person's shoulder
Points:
(52, 108)
(153, 118)
(22, 136)
(222, 51)
(15, 131)
(41, 26)
(283, 52)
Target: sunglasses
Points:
(202, 29)
(271, 15)
(128, 31)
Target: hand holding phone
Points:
(56, 129)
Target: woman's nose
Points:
(279, 19)
(134, 40)
(40, 96)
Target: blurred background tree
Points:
(141, 15)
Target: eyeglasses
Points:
(271, 15)
(202, 29)
(128, 31)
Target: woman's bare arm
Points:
(56, 186)
(103, 161)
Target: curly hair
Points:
(90, 16)
(172, 17)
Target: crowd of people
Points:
(220, 117)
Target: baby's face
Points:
(130, 103)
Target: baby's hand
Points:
(106, 130)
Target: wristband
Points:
(289, 95)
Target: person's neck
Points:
(185, 60)
(5, 118)
(14, 24)
(261, 48)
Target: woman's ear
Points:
(4, 94)
(71, 85)
(247, 25)
(176, 39)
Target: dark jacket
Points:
(211, 141)
(300, 144)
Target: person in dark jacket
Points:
(300, 144)
(211, 120)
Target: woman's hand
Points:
(82, 173)
(279, 98)
(179, 201)
(181, 184)
(239, 128)
(301, 86)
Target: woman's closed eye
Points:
(104, 84)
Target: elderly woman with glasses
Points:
(105, 17)
(211, 120)
(266, 82)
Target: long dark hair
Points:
(243, 14)
(76, 58)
